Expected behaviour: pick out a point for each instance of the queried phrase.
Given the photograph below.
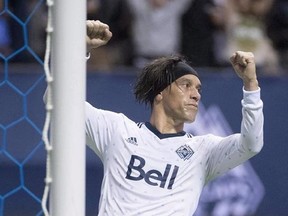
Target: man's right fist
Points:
(98, 34)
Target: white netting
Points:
(49, 107)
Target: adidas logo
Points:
(132, 140)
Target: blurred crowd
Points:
(207, 32)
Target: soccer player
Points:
(155, 168)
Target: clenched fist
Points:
(98, 34)
(244, 66)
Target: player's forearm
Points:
(252, 121)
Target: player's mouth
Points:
(192, 106)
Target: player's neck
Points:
(165, 125)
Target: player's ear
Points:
(159, 97)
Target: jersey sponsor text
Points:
(152, 177)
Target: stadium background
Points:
(22, 154)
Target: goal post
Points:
(68, 66)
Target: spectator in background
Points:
(214, 28)
(37, 28)
(197, 39)
(277, 30)
(244, 29)
(116, 14)
(12, 31)
(156, 28)
(20, 10)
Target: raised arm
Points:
(233, 150)
(98, 34)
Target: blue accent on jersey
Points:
(139, 124)
(185, 152)
(132, 140)
(189, 135)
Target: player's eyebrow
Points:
(184, 79)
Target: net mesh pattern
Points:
(22, 84)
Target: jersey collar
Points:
(160, 135)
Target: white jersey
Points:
(148, 173)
